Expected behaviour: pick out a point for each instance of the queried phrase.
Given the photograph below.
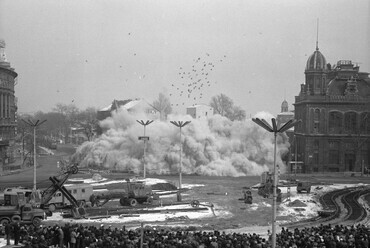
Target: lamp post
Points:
(274, 129)
(34, 125)
(24, 135)
(180, 124)
(145, 139)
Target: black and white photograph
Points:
(184, 123)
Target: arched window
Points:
(335, 122)
(350, 122)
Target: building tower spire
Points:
(317, 35)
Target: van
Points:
(304, 186)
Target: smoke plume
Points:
(212, 146)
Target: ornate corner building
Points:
(334, 106)
(8, 108)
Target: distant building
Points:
(77, 135)
(199, 111)
(285, 115)
(334, 106)
(8, 108)
(132, 106)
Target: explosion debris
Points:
(214, 146)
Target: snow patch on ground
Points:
(152, 217)
(312, 206)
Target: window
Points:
(316, 157)
(316, 145)
(75, 191)
(83, 190)
(316, 120)
(333, 157)
(316, 127)
(333, 152)
(365, 123)
(26, 209)
(350, 122)
(335, 122)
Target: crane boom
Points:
(57, 184)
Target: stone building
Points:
(8, 108)
(334, 106)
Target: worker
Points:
(8, 231)
(16, 232)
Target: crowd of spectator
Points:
(81, 236)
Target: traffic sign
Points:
(143, 138)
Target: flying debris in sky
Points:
(191, 80)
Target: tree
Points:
(69, 113)
(163, 106)
(223, 105)
(87, 120)
(238, 114)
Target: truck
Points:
(22, 212)
(134, 193)
(81, 192)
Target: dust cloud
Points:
(213, 146)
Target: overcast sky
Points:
(91, 52)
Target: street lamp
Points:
(180, 124)
(145, 139)
(34, 125)
(274, 129)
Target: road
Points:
(47, 166)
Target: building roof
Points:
(316, 61)
(127, 104)
(199, 105)
(341, 87)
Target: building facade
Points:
(199, 111)
(334, 108)
(8, 108)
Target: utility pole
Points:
(145, 139)
(274, 129)
(34, 125)
(180, 124)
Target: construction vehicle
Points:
(81, 192)
(135, 192)
(247, 193)
(77, 207)
(304, 186)
(267, 186)
(17, 209)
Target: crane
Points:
(57, 184)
